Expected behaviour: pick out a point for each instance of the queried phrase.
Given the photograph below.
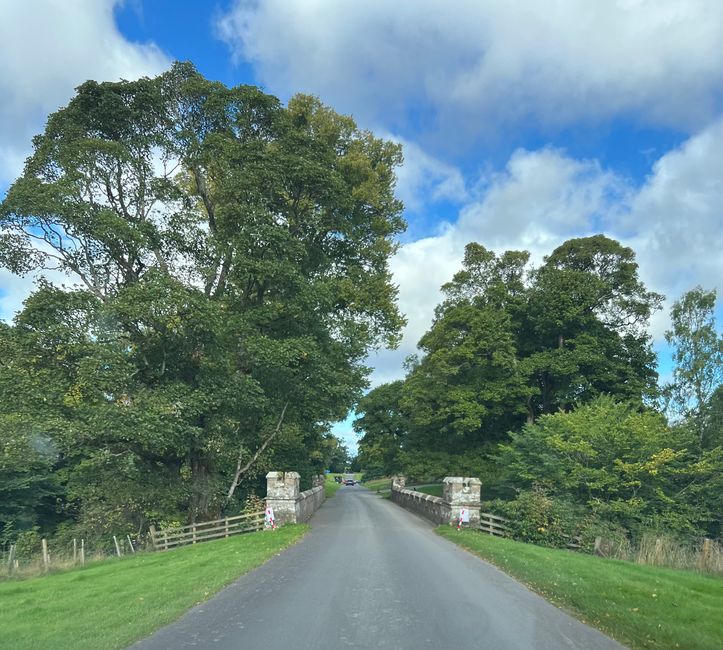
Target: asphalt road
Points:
(372, 575)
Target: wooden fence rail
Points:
(172, 537)
(492, 524)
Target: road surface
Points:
(372, 575)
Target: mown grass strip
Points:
(116, 602)
(640, 606)
(435, 489)
(377, 484)
(330, 486)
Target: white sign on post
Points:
(464, 516)
(269, 521)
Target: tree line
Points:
(227, 264)
(542, 381)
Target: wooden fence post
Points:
(11, 560)
(226, 530)
(75, 551)
(597, 549)
(117, 546)
(130, 543)
(193, 531)
(704, 555)
(658, 551)
(46, 555)
(152, 533)
(82, 551)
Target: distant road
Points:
(372, 575)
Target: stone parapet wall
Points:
(457, 493)
(430, 507)
(291, 506)
(309, 502)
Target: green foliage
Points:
(228, 261)
(619, 461)
(28, 544)
(380, 419)
(536, 518)
(698, 357)
(508, 345)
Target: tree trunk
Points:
(200, 489)
(241, 470)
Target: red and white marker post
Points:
(269, 521)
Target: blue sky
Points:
(523, 125)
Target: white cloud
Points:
(47, 48)
(479, 64)
(424, 179)
(674, 223)
(541, 199)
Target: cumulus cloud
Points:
(47, 48)
(480, 64)
(675, 222)
(424, 179)
(542, 198)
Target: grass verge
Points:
(114, 603)
(640, 606)
(377, 484)
(435, 489)
(330, 486)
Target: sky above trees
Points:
(522, 126)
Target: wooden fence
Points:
(172, 537)
(493, 524)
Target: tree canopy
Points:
(227, 262)
(510, 343)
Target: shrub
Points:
(537, 518)
(28, 544)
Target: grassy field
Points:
(114, 603)
(377, 484)
(383, 485)
(331, 486)
(435, 489)
(640, 606)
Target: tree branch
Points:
(241, 470)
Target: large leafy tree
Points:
(698, 358)
(384, 427)
(510, 343)
(468, 389)
(586, 330)
(228, 260)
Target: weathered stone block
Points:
(282, 493)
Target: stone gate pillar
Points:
(399, 482)
(458, 493)
(282, 494)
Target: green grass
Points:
(383, 485)
(640, 606)
(116, 602)
(378, 484)
(331, 486)
(435, 489)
